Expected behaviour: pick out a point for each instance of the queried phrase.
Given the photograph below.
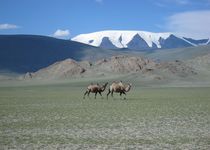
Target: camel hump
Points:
(120, 83)
(89, 87)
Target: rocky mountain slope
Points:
(63, 69)
(201, 63)
(116, 65)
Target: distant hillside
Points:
(115, 65)
(179, 53)
(29, 53)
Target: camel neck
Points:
(128, 87)
(104, 87)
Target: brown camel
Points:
(119, 87)
(95, 88)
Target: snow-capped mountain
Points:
(136, 40)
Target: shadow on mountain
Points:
(29, 53)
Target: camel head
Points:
(104, 86)
(128, 87)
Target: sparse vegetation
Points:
(56, 116)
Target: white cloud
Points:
(181, 3)
(195, 24)
(8, 26)
(61, 33)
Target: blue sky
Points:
(68, 18)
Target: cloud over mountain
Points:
(193, 24)
(61, 33)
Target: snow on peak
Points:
(119, 38)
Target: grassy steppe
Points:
(56, 116)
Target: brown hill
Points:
(177, 67)
(61, 69)
(115, 65)
(123, 64)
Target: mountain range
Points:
(137, 40)
(29, 53)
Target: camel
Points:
(95, 88)
(119, 88)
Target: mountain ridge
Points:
(122, 38)
(23, 53)
(29, 53)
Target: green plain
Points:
(55, 116)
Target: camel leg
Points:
(85, 94)
(124, 94)
(100, 94)
(108, 94)
(120, 95)
(88, 94)
(95, 95)
(112, 93)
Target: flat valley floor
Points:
(55, 116)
